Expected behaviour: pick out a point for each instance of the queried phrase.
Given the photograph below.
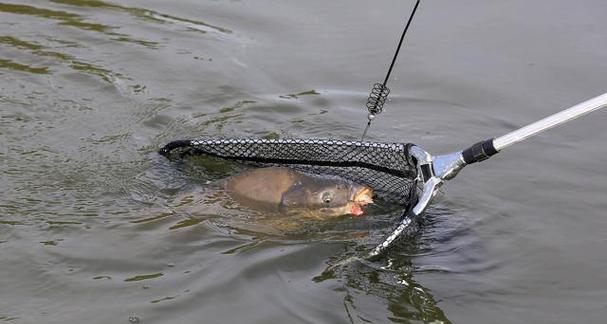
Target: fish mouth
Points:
(361, 197)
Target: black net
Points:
(385, 167)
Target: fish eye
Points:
(326, 197)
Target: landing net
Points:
(386, 167)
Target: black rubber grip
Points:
(173, 145)
(479, 151)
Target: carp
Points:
(288, 191)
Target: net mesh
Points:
(386, 167)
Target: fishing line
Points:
(379, 92)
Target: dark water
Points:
(89, 90)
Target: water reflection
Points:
(407, 300)
(390, 279)
(42, 51)
(64, 18)
(14, 61)
(8, 64)
(145, 13)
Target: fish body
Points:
(288, 191)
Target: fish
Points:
(288, 191)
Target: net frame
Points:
(386, 167)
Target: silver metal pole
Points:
(550, 121)
(447, 166)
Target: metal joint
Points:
(433, 171)
(423, 160)
(447, 166)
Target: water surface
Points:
(89, 228)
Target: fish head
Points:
(325, 198)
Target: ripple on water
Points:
(96, 227)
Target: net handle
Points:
(559, 118)
(483, 150)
